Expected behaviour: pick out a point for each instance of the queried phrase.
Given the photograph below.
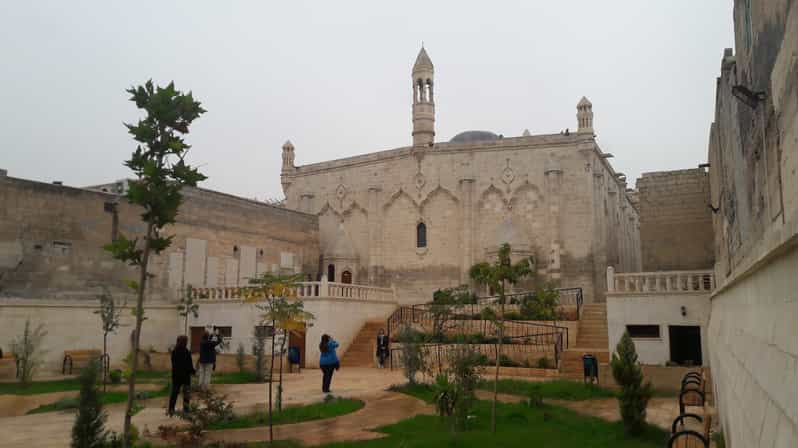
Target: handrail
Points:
(320, 289)
(660, 281)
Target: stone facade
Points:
(555, 197)
(51, 239)
(675, 220)
(753, 156)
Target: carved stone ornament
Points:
(340, 192)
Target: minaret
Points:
(288, 156)
(584, 116)
(423, 102)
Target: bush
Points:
(634, 393)
(258, 351)
(413, 360)
(27, 349)
(542, 305)
(89, 428)
(207, 409)
(115, 376)
(454, 388)
(544, 363)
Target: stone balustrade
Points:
(658, 282)
(304, 290)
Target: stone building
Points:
(753, 157)
(418, 217)
(675, 220)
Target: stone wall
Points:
(559, 197)
(753, 152)
(675, 220)
(51, 239)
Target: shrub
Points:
(207, 409)
(27, 349)
(542, 305)
(454, 388)
(634, 393)
(240, 357)
(413, 360)
(544, 363)
(115, 376)
(88, 430)
(258, 351)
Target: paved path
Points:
(53, 429)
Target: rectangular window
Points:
(265, 331)
(225, 332)
(643, 331)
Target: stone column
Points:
(375, 265)
(467, 207)
(553, 175)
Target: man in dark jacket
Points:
(207, 358)
(182, 369)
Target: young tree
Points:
(27, 349)
(259, 352)
(275, 295)
(497, 276)
(88, 430)
(109, 315)
(187, 307)
(413, 359)
(634, 393)
(161, 172)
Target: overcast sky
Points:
(334, 77)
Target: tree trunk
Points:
(280, 381)
(105, 357)
(131, 390)
(498, 360)
(271, 369)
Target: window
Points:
(225, 332)
(264, 331)
(331, 273)
(643, 331)
(346, 277)
(421, 235)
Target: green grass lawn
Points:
(518, 425)
(296, 414)
(557, 389)
(105, 398)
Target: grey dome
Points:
(474, 136)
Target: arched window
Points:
(331, 273)
(421, 235)
(346, 277)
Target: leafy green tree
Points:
(161, 172)
(497, 276)
(88, 431)
(27, 350)
(413, 360)
(634, 393)
(241, 357)
(276, 296)
(110, 317)
(187, 307)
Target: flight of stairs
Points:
(362, 351)
(592, 339)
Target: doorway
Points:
(296, 338)
(196, 338)
(685, 344)
(331, 273)
(346, 277)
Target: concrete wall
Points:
(51, 240)
(675, 220)
(753, 152)
(566, 205)
(656, 309)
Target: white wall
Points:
(656, 309)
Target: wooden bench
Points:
(693, 425)
(78, 359)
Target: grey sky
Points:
(334, 77)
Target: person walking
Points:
(207, 358)
(328, 361)
(182, 369)
(382, 348)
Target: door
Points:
(331, 273)
(196, 338)
(296, 338)
(685, 345)
(346, 277)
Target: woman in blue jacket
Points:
(328, 361)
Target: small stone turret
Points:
(288, 156)
(584, 116)
(423, 101)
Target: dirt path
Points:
(383, 408)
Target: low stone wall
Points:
(522, 372)
(516, 352)
(663, 378)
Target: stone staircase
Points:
(362, 351)
(592, 338)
